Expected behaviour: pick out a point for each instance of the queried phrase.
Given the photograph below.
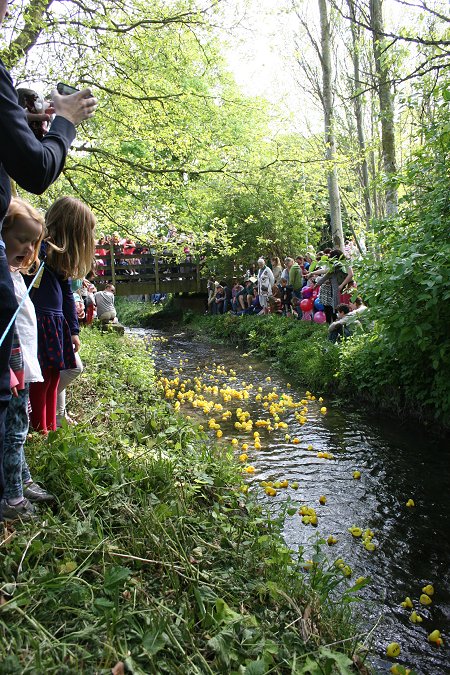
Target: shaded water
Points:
(397, 460)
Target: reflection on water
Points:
(397, 461)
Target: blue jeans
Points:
(8, 305)
(15, 467)
(339, 333)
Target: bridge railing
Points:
(142, 273)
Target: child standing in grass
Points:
(68, 251)
(23, 229)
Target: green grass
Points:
(154, 556)
(135, 313)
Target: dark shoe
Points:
(35, 493)
(24, 510)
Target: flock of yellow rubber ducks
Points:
(210, 392)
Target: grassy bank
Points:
(365, 369)
(155, 560)
(135, 313)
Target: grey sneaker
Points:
(24, 510)
(35, 493)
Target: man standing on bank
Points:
(34, 165)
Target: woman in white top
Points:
(265, 282)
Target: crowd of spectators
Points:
(319, 289)
(137, 259)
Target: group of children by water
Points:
(43, 256)
(323, 292)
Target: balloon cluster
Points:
(309, 302)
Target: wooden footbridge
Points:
(146, 273)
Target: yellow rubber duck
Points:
(399, 670)
(425, 599)
(435, 637)
(407, 602)
(393, 650)
(410, 503)
(323, 410)
(250, 469)
(294, 486)
(355, 531)
(331, 541)
(270, 491)
(357, 475)
(415, 618)
(428, 589)
(322, 500)
(243, 457)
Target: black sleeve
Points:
(33, 164)
(69, 309)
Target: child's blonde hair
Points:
(70, 228)
(19, 208)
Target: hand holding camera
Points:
(72, 104)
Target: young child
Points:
(285, 296)
(68, 251)
(23, 230)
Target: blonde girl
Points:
(23, 229)
(68, 251)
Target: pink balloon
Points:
(306, 305)
(307, 292)
(306, 316)
(319, 317)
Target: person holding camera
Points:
(34, 165)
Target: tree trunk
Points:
(386, 106)
(330, 142)
(34, 21)
(357, 86)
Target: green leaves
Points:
(115, 576)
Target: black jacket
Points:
(33, 164)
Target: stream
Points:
(398, 460)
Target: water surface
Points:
(398, 460)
